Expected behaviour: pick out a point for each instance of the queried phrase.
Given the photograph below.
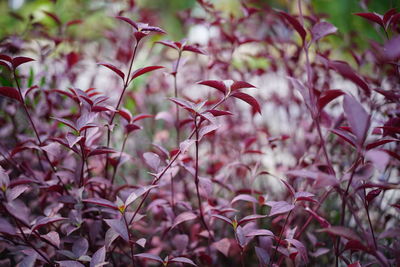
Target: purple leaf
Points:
(114, 69)
(46, 220)
(70, 264)
(183, 217)
(237, 85)
(252, 217)
(279, 207)
(340, 231)
(300, 248)
(80, 247)
(295, 24)
(194, 49)
(391, 49)
(223, 246)
(53, 237)
(207, 130)
(304, 196)
(327, 96)
(15, 192)
(152, 160)
(118, 226)
(357, 117)
(244, 197)
(169, 44)
(101, 202)
(98, 257)
(149, 257)
(322, 29)
(138, 193)
(128, 20)
(260, 232)
(223, 218)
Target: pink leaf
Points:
(183, 217)
(114, 69)
(183, 260)
(279, 207)
(149, 257)
(260, 232)
(322, 29)
(244, 197)
(252, 217)
(357, 117)
(223, 246)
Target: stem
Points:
(126, 83)
(344, 204)
(370, 224)
(280, 238)
(81, 179)
(37, 133)
(130, 237)
(196, 177)
(156, 179)
(119, 159)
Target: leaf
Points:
(54, 17)
(144, 70)
(279, 207)
(322, 29)
(244, 197)
(111, 235)
(304, 196)
(357, 117)
(17, 61)
(372, 195)
(340, 231)
(101, 151)
(237, 85)
(101, 202)
(355, 264)
(184, 145)
(169, 44)
(252, 217)
(80, 247)
(262, 255)
(98, 257)
(223, 218)
(260, 232)
(183, 260)
(114, 69)
(295, 24)
(138, 193)
(149, 257)
(347, 72)
(53, 238)
(128, 20)
(152, 160)
(288, 186)
(46, 220)
(327, 96)
(219, 85)
(207, 130)
(374, 17)
(183, 217)
(300, 248)
(10, 92)
(223, 246)
(70, 264)
(194, 49)
(391, 49)
(388, 15)
(72, 139)
(345, 136)
(217, 113)
(118, 226)
(15, 192)
(249, 100)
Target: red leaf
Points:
(73, 22)
(216, 112)
(219, 85)
(132, 127)
(355, 264)
(144, 70)
(240, 85)
(322, 29)
(114, 69)
(249, 100)
(388, 15)
(141, 117)
(194, 49)
(54, 17)
(372, 195)
(374, 17)
(20, 60)
(357, 117)
(101, 202)
(379, 143)
(5, 58)
(169, 44)
(295, 24)
(10, 92)
(327, 96)
(128, 20)
(345, 136)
